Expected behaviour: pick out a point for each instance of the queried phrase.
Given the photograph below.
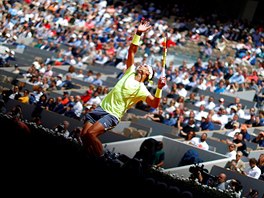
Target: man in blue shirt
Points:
(207, 124)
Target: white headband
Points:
(150, 72)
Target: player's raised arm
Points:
(143, 27)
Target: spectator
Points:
(159, 155)
(200, 142)
(237, 164)
(14, 94)
(188, 137)
(156, 117)
(207, 124)
(65, 98)
(25, 97)
(243, 130)
(230, 124)
(188, 128)
(231, 154)
(89, 77)
(67, 83)
(98, 81)
(253, 170)
(220, 105)
(259, 139)
(240, 144)
(221, 182)
(235, 129)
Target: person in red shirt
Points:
(65, 99)
(253, 76)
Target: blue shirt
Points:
(207, 126)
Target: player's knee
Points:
(92, 145)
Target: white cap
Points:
(213, 77)
(36, 64)
(60, 75)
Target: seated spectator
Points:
(221, 104)
(237, 77)
(240, 144)
(191, 99)
(257, 122)
(14, 94)
(164, 103)
(169, 119)
(252, 171)
(78, 107)
(50, 104)
(201, 113)
(230, 124)
(200, 142)
(231, 154)
(249, 123)
(207, 124)
(97, 80)
(59, 107)
(220, 87)
(231, 165)
(35, 95)
(188, 115)
(179, 124)
(65, 98)
(87, 96)
(25, 97)
(235, 129)
(210, 103)
(188, 128)
(95, 99)
(67, 83)
(188, 137)
(236, 165)
(220, 118)
(259, 139)
(157, 117)
(181, 90)
(89, 77)
(159, 155)
(201, 101)
(171, 107)
(243, 130)
(220, 182)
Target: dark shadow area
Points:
(37, 161)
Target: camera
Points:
(208, 179)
